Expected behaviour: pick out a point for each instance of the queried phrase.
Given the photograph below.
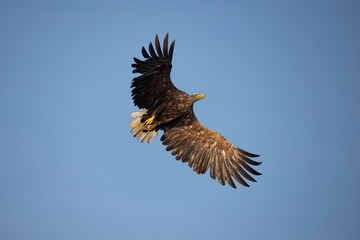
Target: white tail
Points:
(138, 127)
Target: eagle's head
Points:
(197, 96)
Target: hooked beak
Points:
(200, 96)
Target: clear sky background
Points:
(281, 79)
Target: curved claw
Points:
(150, 127)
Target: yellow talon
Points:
(150, 127)
(150, 120)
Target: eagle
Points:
(164, 107)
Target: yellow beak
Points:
(200, 96)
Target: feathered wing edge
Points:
(156, 58)
(203, 148)
(154, 80)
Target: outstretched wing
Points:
(204, 148)
(154, 83)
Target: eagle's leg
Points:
(150, 120)
(149, 124)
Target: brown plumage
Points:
(164, 107)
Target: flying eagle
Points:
(164, 107)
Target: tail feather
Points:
(139, 113)
(135, 122)
(138, 127)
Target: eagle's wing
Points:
(203, 148)
(154, 83)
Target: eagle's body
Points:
(164, 107)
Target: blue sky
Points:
(281, 79)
